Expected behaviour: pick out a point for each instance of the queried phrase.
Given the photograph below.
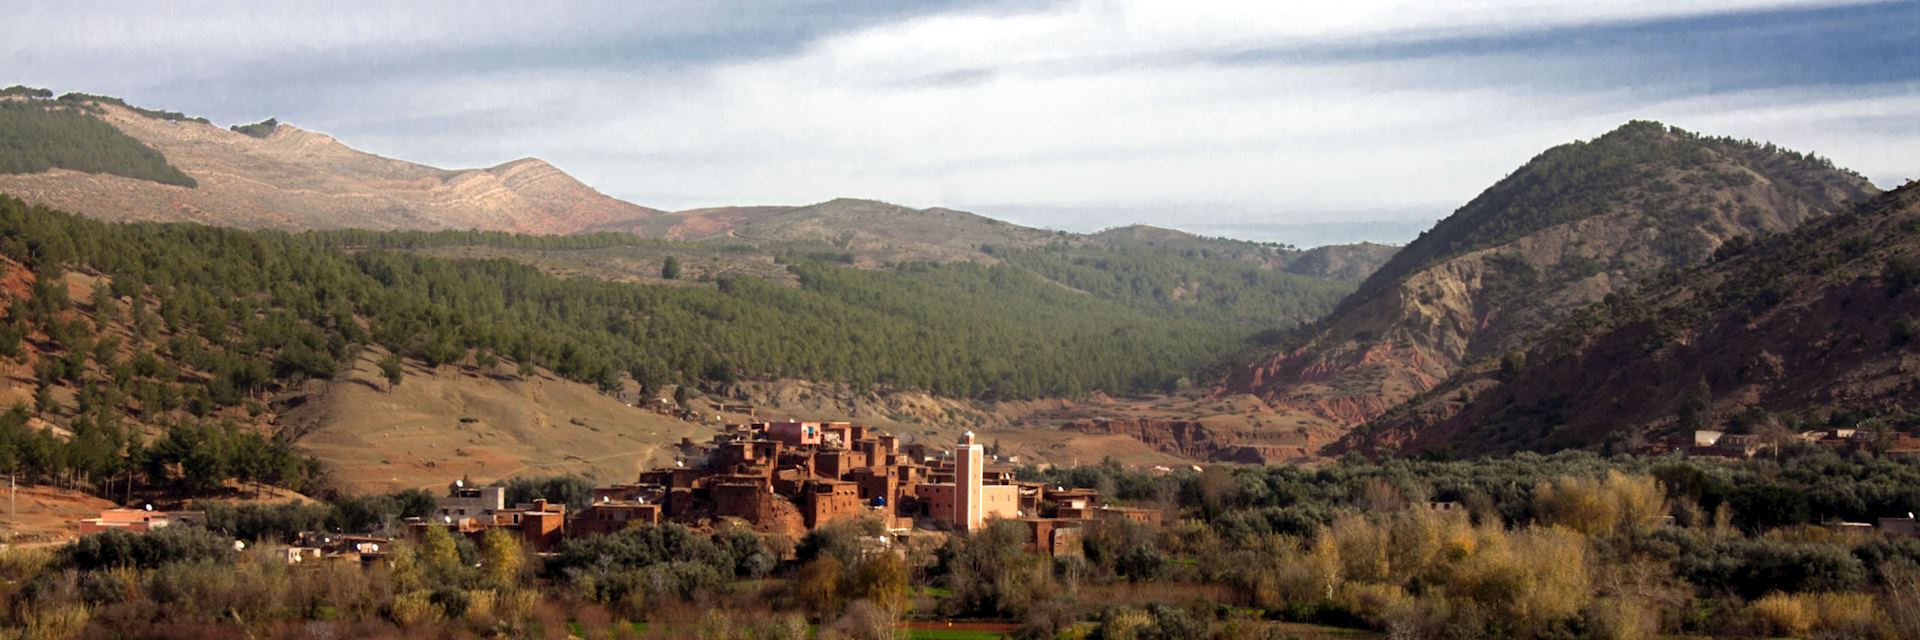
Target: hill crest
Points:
(1578, 222)
(296, 179)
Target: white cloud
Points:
(1138, 106)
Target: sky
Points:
(1339, 121)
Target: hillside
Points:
(39, 135)
(1578, 222)
(1813, 327)
(873, 232)
(458, 421)
(1339, 262)
(289, 178)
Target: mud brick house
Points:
(794, 475)
(830, 500)
(609, 515)
(472, 511)
(136, 520)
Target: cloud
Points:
(1069, 114)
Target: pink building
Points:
(795, 433)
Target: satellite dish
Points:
(239, 545)
(448, 519)
(149, 507)
(459, 483)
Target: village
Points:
(778, 478)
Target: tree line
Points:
(36, 136)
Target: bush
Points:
(415, 608)
(1783, 614)
(118, 548)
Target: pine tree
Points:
(391, 369)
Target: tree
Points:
(681, 396)
(819, 585)
(501, 557)
(438, 555)
(670, 268)
(883, 580)
(391, 370)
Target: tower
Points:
(968, 474)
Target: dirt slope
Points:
(454, 422)
(1577, 223)
(1799, 328)
(299, 179)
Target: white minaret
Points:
(968, 474)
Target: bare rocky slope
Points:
(1817, 326)
(297, 179)
(1577, 223)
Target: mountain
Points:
(870, 230)
(1816, 326)
(101, 157)
(1339, 262)
(287, 178)
(1576, 223)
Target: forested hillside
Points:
(257, 310)
(38, 135)
(1185, 282)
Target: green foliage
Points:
(36, 137)
(166, 545)
(259, 311)
(670, 268)
(259, 129)
(571, 490)
(284, 522)
(24, 91)
(391, 369)
(1168, 281)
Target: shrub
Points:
(1601, 506)
(118, 548)
(415, 608)
(1783, 614)
(57, 622)
(1623, 618)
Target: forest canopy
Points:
(36, 137)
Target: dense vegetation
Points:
(1190, 282)
(259, 129)
(1564, 546)
(1582, 179)
(36, 136)
(254, 311)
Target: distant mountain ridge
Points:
(296, 179)
(1578, 222)
(273, 175)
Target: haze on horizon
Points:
(1271, 121)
